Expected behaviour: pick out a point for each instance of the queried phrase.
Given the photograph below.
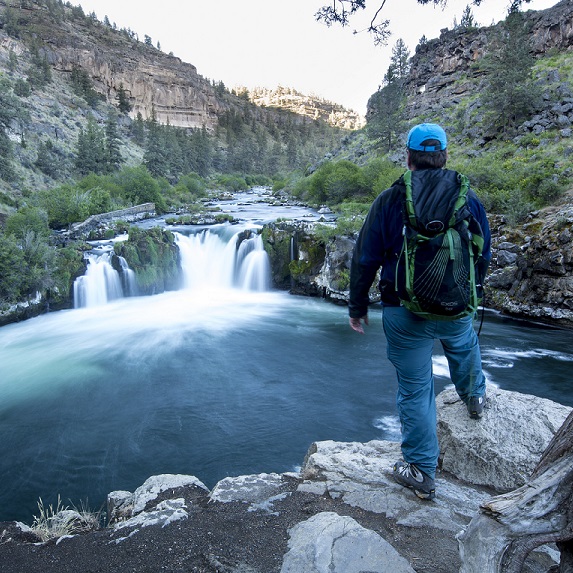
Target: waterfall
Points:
(100, 284)
(208, 262)
(127, 278)
(253, 265)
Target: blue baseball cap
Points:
(423, 132)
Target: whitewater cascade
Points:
(207, 261)
(100, 284)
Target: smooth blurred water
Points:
(236, 382)
(212, 381)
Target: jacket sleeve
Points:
(367, 258)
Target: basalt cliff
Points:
(155, 82)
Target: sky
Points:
(271, 43)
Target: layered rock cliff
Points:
(309, 106)
(154, 82)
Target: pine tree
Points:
(113, 158)
(400, 60)
(91, 152)
(512, 95)
(11, 109)
(138, 129)
(82, 86)
(468, 21)
(155, 157)
(123, 99)
(386, 107)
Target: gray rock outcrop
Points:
(531, 275)
(501, 450)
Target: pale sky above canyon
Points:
(267, 43)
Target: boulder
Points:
(361, 475)
(501, 449)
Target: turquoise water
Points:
(94, 400)
(212, 381)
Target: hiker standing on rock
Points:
(429, 236)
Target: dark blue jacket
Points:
(380, 240)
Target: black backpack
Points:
(437, 272)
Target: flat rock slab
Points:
(330, 543)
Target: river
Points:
(222, 378)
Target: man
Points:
(410, 338)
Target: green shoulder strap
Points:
(407, 178)
(462, 196)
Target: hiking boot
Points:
(475, 406)
(410, 476)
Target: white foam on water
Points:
(63, 347)
(390, 427)
(440, 366)
(441, 369)
(510, 355)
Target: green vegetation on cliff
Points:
(153, 256)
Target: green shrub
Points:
(231, 182)
(11, 265)
(513, 179)
(138, 186)
(28, 219)
(65, 205)
(516, 207)
(332, 183)
(342, 282)
(153, 256)
(258, 180)
(350, 218)
(22, 88)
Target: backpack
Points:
(436, 274)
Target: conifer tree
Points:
(91, 152)
(138, 129)
(83, 86)
(512, 93)
(113, 158)
(386, 107)
(123, 100)
(11, 109)
(468, 21)
(155, 156)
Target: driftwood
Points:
(509, 526)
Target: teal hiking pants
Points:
(410, 342)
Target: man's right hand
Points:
(356, 323)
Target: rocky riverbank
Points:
(530, 277)
(342, 512)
